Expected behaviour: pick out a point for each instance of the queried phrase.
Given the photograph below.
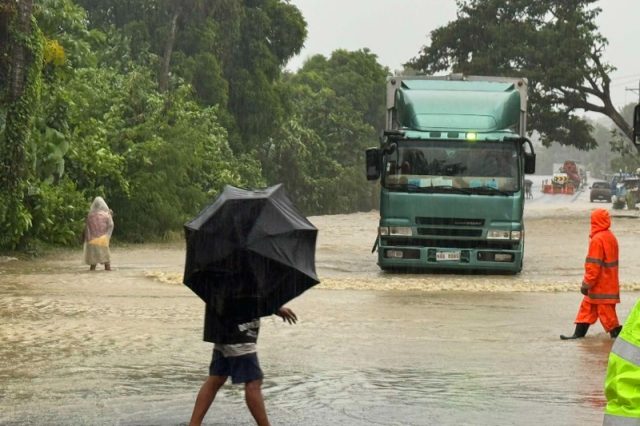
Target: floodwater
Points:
(371, 348)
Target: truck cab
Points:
(451, 166)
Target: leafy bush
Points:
(58, 213)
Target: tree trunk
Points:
(18, 56)
(163, 80)
(23, 72)
(4, 44)
(13, 152)
(619, 121)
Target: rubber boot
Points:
(581, 331)
(614, 333)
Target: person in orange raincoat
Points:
(600, 285)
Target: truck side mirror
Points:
(636, 125)
(374, 163)
(529, 158)
(529, 163)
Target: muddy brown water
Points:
(124, 347)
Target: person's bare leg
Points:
(205, 397)
(92, 267)
(107, 266)
(255, 402)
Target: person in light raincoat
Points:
(622, 383)
(97, 234)
(600, 285)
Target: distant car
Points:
(600, 191)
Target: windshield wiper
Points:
(446, 188)
(490, 190)
(412, 187)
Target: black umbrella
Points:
(250, 252)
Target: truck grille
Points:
(449, 232)
(445, 243)
(449, 221)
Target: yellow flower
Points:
(54, 53)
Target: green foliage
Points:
(95, 96)
(96, 117)
(297, 157)
(64, 24)
(555, 45)
(206, 74)
(629, 158)
(205, 49)
(38, 121)
(58, 212)
(340, 100)
(172, 153)
(15, 219)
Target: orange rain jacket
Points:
(601, 264)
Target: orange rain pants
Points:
(590, 312)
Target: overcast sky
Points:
(395, 30)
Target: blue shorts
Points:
(242, 369)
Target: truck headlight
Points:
(394, 254)
(516, 235)
(404, 231)
(497, 234)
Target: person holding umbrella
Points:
(238, 360)
(248, 254)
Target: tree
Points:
(555, 45)
(270, 33)
(232, 52)
(629, 159)
(336, 110)
(23, 69)
(297, 157)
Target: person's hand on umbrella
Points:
(287, 315)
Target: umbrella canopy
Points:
(250, 252)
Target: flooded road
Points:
(124, 347)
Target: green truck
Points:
(451, 165)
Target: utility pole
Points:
(632, 89)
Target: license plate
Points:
(447, 255)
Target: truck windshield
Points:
(453, 166)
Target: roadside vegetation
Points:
(157, 104)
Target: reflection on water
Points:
(125, 347)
